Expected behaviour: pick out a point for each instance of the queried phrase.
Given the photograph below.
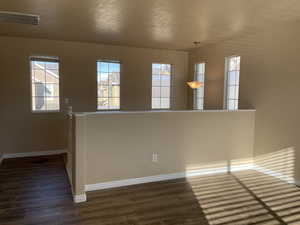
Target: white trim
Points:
(82, 114)
(246, 166)
(278, 175)
(132, 181)
(44, 58)
(162, 177)
(120, 84)
(172, 176)
(32, 154)
(172, 93)
(76, 198)
(79, 198)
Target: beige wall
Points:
(24, 131)
(120, 145)
(270, 82)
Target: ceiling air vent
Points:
(14, 17)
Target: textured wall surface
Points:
(24, 131)
(120, 145)
(269, 82)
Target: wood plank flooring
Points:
(36, 191)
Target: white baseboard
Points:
(32, 154)
(162, 177)
(79, 198)
(278, 175)
(132, 181)
(248, 166)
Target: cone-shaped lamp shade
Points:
(194, 84)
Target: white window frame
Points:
(44, 59)
(120, 73)
(171, 86)
(196, 91)
(226, 83)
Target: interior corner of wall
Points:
(1, 158)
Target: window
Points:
(45, 84)
(108, 79)
(161, 86)
(232, 82)
(199, 92)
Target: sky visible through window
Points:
(45, 85)
(199, 92)
(233, 82)
(108, 80)
(161, 86)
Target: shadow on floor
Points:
(36, 191)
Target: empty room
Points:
(149, 112)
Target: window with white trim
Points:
(161, 86)
(199, 92)
(108, 81)
(44, 84)
(232, 82)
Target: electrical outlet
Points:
(155, 157)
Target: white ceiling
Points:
(168, 24)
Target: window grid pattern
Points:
(161, 86)
(45, 85)
(108, 81)
(233, 82)
(199, 92)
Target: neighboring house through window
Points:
(161, 86)
(108, 82)
(45, 84)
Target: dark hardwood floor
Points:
(36, 191)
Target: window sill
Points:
(45, 111)
(108, 110)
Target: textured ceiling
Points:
(168, 24)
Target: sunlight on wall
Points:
(219, 167)
(280, 164)
(241, 164)
(207, 168)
